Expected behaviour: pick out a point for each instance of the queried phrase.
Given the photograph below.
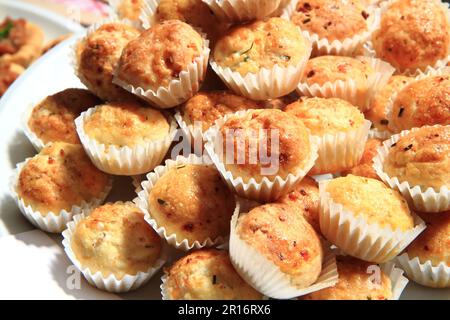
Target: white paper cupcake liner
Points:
(179, 90)
(341, 151)
(428, 200)
(192, 133)
(370, 51)
(266, 83)
(398, 280)
(164, 293)
(426, 274)
(348, 90)
(265, 276)
(143, 203)
(379, 134)
(37, 143)
(242, 10)
(346, 47)
(51, 222)
(358, 238)
(266, 189)
(148, 12)
(126, 160)
(111, 283)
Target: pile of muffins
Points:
(352, 117)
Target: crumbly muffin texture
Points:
(115, 239)
(207, 275)
(9, 72)
(130, 9)
(365, 166)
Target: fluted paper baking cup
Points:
(266, 189)
(51, 222)
(111, 283)
(426, 274)
(379, 134)
(265, 276)
(349, 90)
(266, 83)
(192, 133)
(142, 201)
(398, 280)
(149, 9)
(421, 199)
(242, 10)
(345, 47)
(37, 143)
(341, 151)
(117, 160)
(358, 238)
(179, 90)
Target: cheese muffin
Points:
(97, 56)
(59, 177)
(378, 111)
(159, 55)
(126, 124)
(356, 282)
(206, 275)
(192, 202)
(9, 72)
(422, 102)
(281, 234)
(331, 19)
(422, 158)
(116, 240)
(372, 200)
(263, 129)
(407, 29)
(53, 118)
(128, 9)
(305, 196)
(365, 166)
(207, 107)
(248, 48)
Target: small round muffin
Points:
(378, 112)
(194, 12)
(365, 166)
(270, 126)
(207, 107)
(326, 116)
(250, 47)
(9, 72)
(433, 244)
(126, 124)
(115, 239)
(97, 56)
(413, 34)
(422, 158)
(159, 55)
(280, 233)
(53, 118)
(192, 202)
(372, 200)
(306, 197)
(331, 19)
(423, 102)
(129, 9)
(59, 177)
(356, 282)
(207, 275)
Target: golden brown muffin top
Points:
(130, 9)
(326, 116)
(98, 55)
(261, 44)
(357, 281)
(59, 177)
(433, 244)
(378, 112)
(325, 69)
(372, 200)
(207, 107)
(281, 234)
(207, 274)
(271, 126)
(159, 55)
(115, 239)
(9, 72)
(365, 165)
(193, 202)
(53, 118)
(413, 34)
(423, 102)
(331, 19)
(126, 124)
(422, 158)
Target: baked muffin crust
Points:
(9, 72)
(365, 166)
(130, 9)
